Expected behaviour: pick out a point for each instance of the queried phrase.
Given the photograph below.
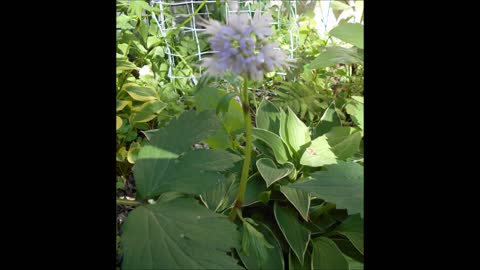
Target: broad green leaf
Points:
(141, 126)
(148, 111)
(169, 196)
(327, 256)
(143, 32)
(191, 127)
(349, 32)
(356, 239)
(137, 7)
(344, 141)
(352, 228)
(179, 234)
(297, 132)
(133, 152)
(123, 22)
(138, 47)
(347, 248)
(355, 110)
(221, 196)
(151, 40)
(337, 5)
(294, 263)
(318, 153)
(274, 141)
(295, 233)
(220, 140)
(119, 122)
(253, 240)
(224, 102)
(353, 264)
(160, 171)
(233, 119)
(341, 184)
(162, 70)
(358, 98)
(273, 258)
(354, 223)
(157, 53)
(123, 64)
(211, 98)
(140, 93)
(335, 55)
(255, 188)
(207, 98)
(121, 154)
(149, 133)
(156, 168)
(298, 198)
(122, 50)
(329, 120)
(283, 127)
(270, 172)
(338, 134)
(122, 103)
(210, 159)
(268, 117)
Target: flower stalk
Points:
(248, 152)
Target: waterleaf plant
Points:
(216, 189)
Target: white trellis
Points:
(182, 9)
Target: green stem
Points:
(129, 203)
(248, 151)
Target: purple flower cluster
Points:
(242, 47)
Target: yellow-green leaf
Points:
(349, 32)
(297, 132)
(122, 103)
(119, 122)
(318, 153)
(133, 152)
(148, 111)
(121, 154)
(140, 93)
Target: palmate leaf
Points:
(302, 98)
(336, 55)
(341, 184)
(178, 234)
(349, 32)
(162, 164)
